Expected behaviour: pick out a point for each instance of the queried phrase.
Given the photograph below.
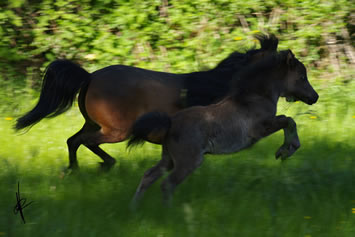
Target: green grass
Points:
(244, 194)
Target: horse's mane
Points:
(207, 87)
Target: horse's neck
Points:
(216, 76)
(204, 88)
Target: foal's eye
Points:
(303, 77)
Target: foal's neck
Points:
(276, 83)
(266, 85)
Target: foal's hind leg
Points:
(184, 165)
(154, 173)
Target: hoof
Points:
(133, 206)
(71, 170)
(105, 166)
(282, 152)
(168, 201)
(285, 151)
(68, 171)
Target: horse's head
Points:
(296, 84)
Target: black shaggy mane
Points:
(204, 88)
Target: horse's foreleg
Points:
(291, 140)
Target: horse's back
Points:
(125, 71)
(118, 79)
(117, 95)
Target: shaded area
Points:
(246, 194)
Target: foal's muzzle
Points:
(309, 95)
(315, 99)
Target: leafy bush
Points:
(169, 35)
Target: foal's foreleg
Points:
(291, 140)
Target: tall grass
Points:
(244, 194)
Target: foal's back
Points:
(219, 128)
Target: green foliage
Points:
(176, 35)
(244, 194)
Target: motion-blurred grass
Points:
(244, 194)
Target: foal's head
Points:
(296, 85)
(277, 74)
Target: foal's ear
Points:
(290, 58)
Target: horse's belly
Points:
(230, 147)
(117, 104)
(233, 139)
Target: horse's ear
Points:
(290, 58)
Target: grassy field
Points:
(244, 194)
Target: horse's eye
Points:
(303, 77)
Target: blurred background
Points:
(168, 35)
(243, 194)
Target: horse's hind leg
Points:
(154, 173)
(91, 136)
(108, 161)
(73, 144)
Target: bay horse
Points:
(112, 98)
(244, 116)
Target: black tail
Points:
(151, 127)
(61, 82)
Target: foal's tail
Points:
(151, 127)
(61, 82)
